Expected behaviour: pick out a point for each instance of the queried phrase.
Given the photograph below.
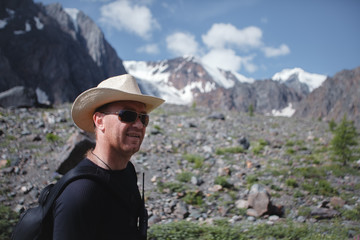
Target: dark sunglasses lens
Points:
(127, 116)
(130, 116)
(144, 119)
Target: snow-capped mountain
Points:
(180, 80)
(300, 80)
(185, 80)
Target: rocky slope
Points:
(336, 97)
(48, 50)
(199, 165)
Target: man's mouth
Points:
(134, 135)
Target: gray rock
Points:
(259, 199)
(324, 213)
(19, 96)
(74, 151)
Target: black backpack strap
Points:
(76, 173)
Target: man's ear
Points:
(98, 119)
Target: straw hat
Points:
(119, 88)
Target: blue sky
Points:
(256, 38)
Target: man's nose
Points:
(138, 123)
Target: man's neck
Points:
(109, 159)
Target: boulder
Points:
(17, 97)
(259, 199)
(74, 151)
(324, 213)
(244, 143)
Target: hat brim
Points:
(86, 103)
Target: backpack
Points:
(37, 223)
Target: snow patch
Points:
(141, 70)
(38, 23)
(219, 77)
(3, 23)
(27, 26)
(73, 12)
(42, 97)
(285, 112)
(242, 78)
(312, 80)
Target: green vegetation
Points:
(251, 110)
(184, 177)
(197, 160)
(8, 219)
(259, 146)
(51, 137)
(344, 142)
(320, 187)
(194, 198)
(231, 150)
(352, 214)
(291, 182)
(171, 186)
(251, 179)
(332, 125)
(222, 230)
(223, 181)
(311, 172)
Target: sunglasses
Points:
(128, 116)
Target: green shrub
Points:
(353, 214)
(251, 179)
(223, 181)
(321, 187)
(289, 143)
(8, 219)
(233, 150)
(344, 142)
(251, 110)
(171, 186)
(194, 198)
(184, 177)
(197, 160)
(332, 125)
(311, 172)
(290, 151)
(291, 182)
(259, 146)
(52, 137)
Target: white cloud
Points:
(274, 52)
(182, 44)
(222, 35)
(125, 15)
(149, 48)
(227, 59)
(223, 58)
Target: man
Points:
(116, 111)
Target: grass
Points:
(184, 177)
(51, 137)
(321, 187)
(230, 150)
(8, 219)
(197, 160)
(171, 187)
(194, 197)
(223, 181)
(222, 230)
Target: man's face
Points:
(124, 138)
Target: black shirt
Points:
(87, 209)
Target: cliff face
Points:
(44, 48)
(337, 96)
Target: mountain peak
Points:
(311, 80)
